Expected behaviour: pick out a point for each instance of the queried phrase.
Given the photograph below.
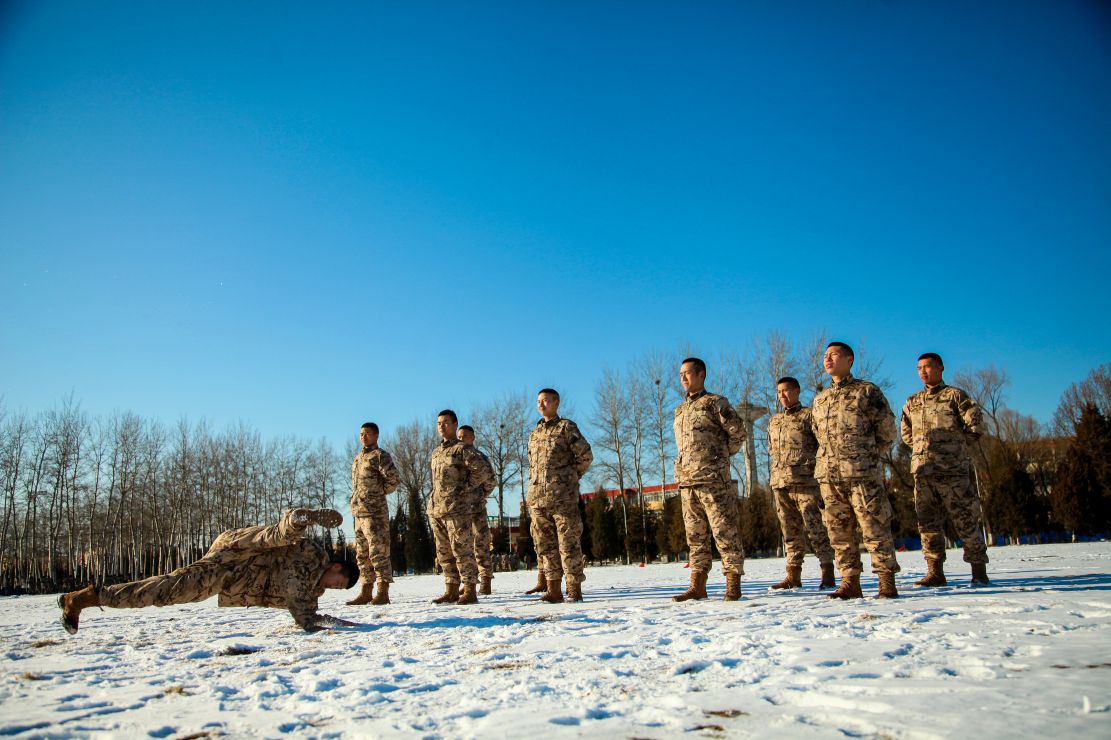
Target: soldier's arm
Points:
(488, 486)
(300, 583)
(580, 449)
(883, 419)
(734, 428)
(971, 415)
(905, 426)
(480, 474)
(388, 471)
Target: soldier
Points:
(482, 539)
(457, 471)
(254, 566)
(854, 426)
(938, 423)
(798, 501)
(558, 457)
(708, 432)
(373, 476)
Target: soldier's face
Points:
(368, 437)
(837, 361)
(334, 577)
(787, 394)
(446, 427)
(466, 436)
(547, 405)
(930, 370)
(692, 379)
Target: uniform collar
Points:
(370, 449)
(546, 422)
(794, 409)
(449, 442)
(847, 380)
(936, 389)
(695, 396)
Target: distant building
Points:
(654, 496)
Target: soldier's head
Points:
(930, 368)
(368, 434)
(692, 374)
(787, 390)
(340, 574)
(447, 423)
(547, 403)
(466, 434)
(838, 359)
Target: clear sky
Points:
(307, 215)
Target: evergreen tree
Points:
(1012, 503)
(759, 524)
(398, 527)
(420, 551)
(676, 527)
(585, 541)
(1081, 499)
(526, 548)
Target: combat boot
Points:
(935, 574)
(484, 587)
(365, 595)
(324, 517)
(733, 586)
(697, 588)
(541, 584)
(451, 594)
(554, 594)
(72, 604)
(849, 589)
(887, 587)
(383, 595)
(827, 577)
(793, 579)
(469, 595)
(574, 590)
(980, 574)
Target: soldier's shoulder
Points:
(915, 397)
(952, 391)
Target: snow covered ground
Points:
(1029, 655)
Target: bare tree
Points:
(1095, 390)
(501, 428)
(611, 420)
(411, 447)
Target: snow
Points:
(1030, 654)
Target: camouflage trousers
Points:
(800, 518)
(557, 532)
(205, 577)
(482, 541)
(372, 545)
(863, 503)
(709, 510)
(455, 548)
(955, 493)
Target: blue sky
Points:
(306, 217)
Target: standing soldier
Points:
(558, 456)
(938, 422)
(708, 432)
(798, 501)
(457, 470)
(482, 537)
(373, 476)
(854, 426)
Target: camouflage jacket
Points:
(483, 490)
(708, 432)
(793, 448)
(457, 471)
(937, 425)
(271, 566)
(373, 475)
(854, 427)
(558, 456)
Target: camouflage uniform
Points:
(708, 432)
(254, 566)
(853, 424)
(558, 456)
(482, 537)
(937, 424)
(457, 471)
(798, 500)
(373, 476)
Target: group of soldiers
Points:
(827, 478)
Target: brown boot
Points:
(554, 594)
(733, 586)
(484, 587)
(827, 577)
(451, 594)
(980, 574)
(469, 595)
(697, 588)
(383, 595)
(72, 604)
(323, 517)
(887, 587)
(793, 579)
(365, 596)
(541, 584)
(849, 589)
(574, 590)
(935, 574)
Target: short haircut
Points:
(699, 365)
(931, 356)
(548, 392)
(371, 426)
(349, 569)
(467, 428)
(449, 414)
(789, 381)
(843, 346)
